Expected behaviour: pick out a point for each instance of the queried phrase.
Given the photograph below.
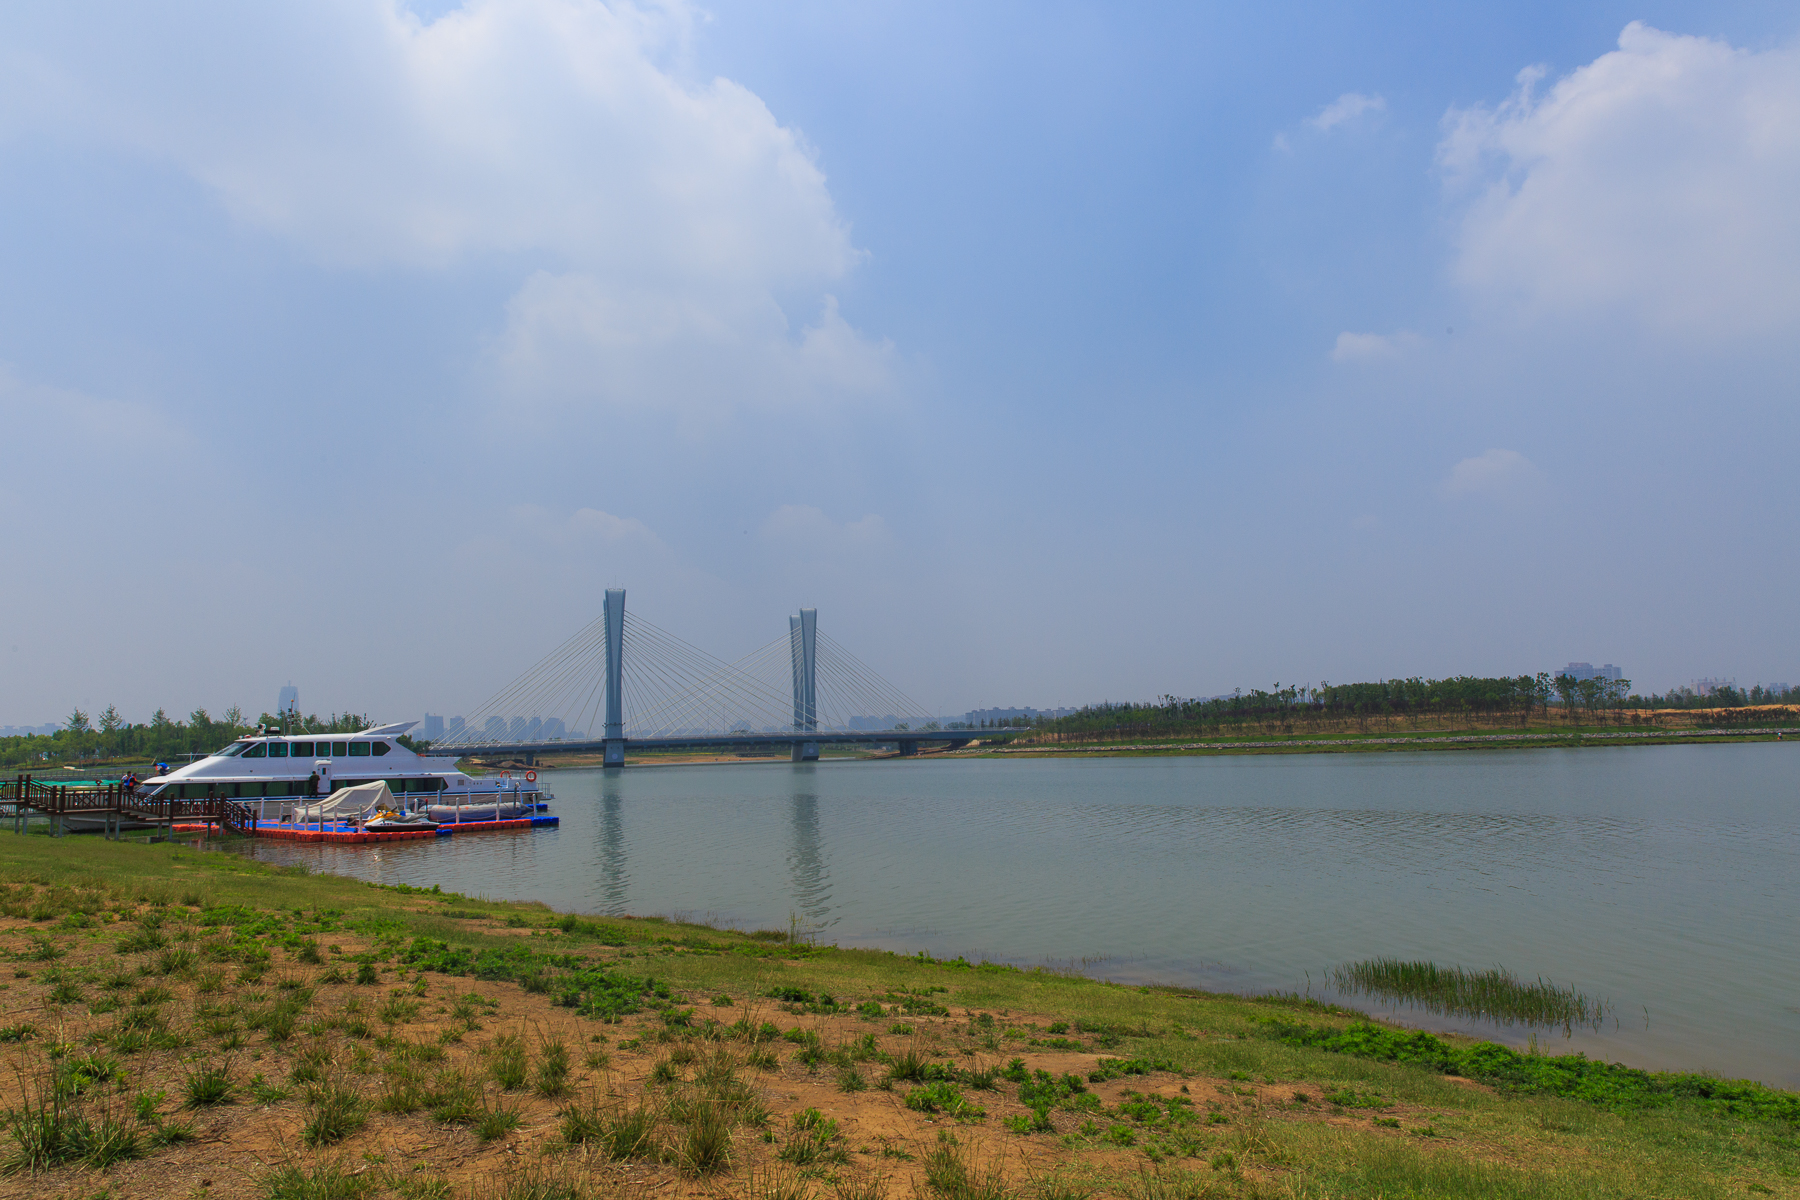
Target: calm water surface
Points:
(1665, 879)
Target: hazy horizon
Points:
(1054, 354)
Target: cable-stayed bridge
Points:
(633, 684)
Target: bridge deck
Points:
(834, 737)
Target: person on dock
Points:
(312, 784)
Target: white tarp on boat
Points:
(348, 804)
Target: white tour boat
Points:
(275, 775)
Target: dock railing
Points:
(113, 805)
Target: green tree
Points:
(1567, 688)
(77, 722)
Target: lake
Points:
(1665, 880)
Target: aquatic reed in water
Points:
(1494, 995)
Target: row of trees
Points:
(1721, 696)
(161, 739)
(1460, 699)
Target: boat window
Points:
(303, 749)
(234, 748)
(381, 748)
(338, 749)
(278, 749)
(359, 749)
(256, 751)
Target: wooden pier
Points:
(113, 807)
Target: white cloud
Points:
(1659, 181)
(583, 525)
(1346, 107)
(34, 414)
(573, 338)
(1499, 473)
(804, 524)
(655, 219)
(505, 125)
(1373, 347)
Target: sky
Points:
(1056, 352)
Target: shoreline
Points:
(1346, 744)
(283, 1031)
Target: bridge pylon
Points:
(803, 643)
(613, 751)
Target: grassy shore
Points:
(1279, 739)
(195, 1024)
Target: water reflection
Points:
(808, 875)
(615, 881)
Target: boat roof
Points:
(373, 731)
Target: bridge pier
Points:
(614, 753)
(803, 634)
(908, 747)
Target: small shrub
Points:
(321, 1181)
(264, 1092)
(534, 1182)
(509, 1066)
(209, 1086)
(953, 1173)
(455, 1099)
(850, 1079)
(142, 940)
(65, 992)
(705, 1147)
(553, 1068)
(495, 1122)
(172, 1133)
(397, 1010)
(101, 1142)
(943, 1097)
(333, 1112)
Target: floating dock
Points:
(350, 833)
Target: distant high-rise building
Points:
(534, 729)
(289, 703)
(454, 726)
(1581, 670)
(516, 730)
(495, 729)
(887, 722)
(433, 728)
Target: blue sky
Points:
(1055, 352)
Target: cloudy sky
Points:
(1055, 352)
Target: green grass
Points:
(1540, 1126)
(1493, 995)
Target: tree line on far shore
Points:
(161, 739)
(1470, 698)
